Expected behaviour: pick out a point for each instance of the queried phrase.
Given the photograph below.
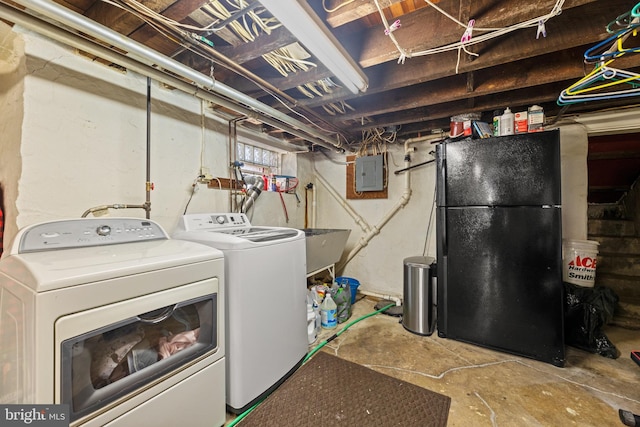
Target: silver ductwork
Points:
(255, 186)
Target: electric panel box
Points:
(369, 173)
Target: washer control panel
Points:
(211, 221)
(75, 233)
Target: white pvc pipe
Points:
(393, 298)
(401, 203)
(357, 218)
(151, 58)
(371, 232)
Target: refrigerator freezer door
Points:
(504, 171)
(500, 280)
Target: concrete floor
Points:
(489, 388)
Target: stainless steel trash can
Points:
(419, 302)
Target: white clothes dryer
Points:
(265, 269)
(114, 319)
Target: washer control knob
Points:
(103, 230)
(220, 219)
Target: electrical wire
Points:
(403, 53)
(429, 228)
(555, 11)
(193, 191)
(170, 30)
(462, 45)
(343, 4)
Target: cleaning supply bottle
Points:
(312, 333)
(496, 122)
(328, 312)
(507, 123)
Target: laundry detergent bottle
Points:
(329, 312)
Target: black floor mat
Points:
(329, 391)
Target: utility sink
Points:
(324, 247)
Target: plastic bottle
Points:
(312, 333)
(328, 312)
(273, 186)
(314, 297)
(536, 118)
(507, 123)
(342, 297)
(496, 122)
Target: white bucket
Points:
(579, 259)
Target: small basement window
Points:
(258, 160)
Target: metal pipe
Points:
(148, 183)
(146, 56)
(233, 150)
(114, 206)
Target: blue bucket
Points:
(353, 286)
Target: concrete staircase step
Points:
(608, 227)
(627, 314)
(606, 211)
(623, 264)
(619, 266)
(617, 245)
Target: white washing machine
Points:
(266, 289)
(114, 319)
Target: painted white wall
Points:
(11, 112)
(77, 139)
(574, 147)
(410, 232)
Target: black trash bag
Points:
(586, 311)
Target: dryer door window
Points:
(103, 365)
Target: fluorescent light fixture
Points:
(305, 25)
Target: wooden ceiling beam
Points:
(265, 43)
(426, 28)
(518, 97)
(132, 26)
(224, 34)
(119, 19)
(521, 45)
(354, 10)
(520, 74)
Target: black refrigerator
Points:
(499, 244)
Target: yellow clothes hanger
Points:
(600, 73)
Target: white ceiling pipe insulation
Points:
(142, 55)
